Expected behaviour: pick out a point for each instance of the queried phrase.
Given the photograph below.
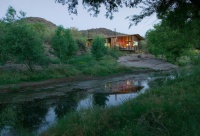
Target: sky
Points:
(58, 14)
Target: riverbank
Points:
(80, 68)
(51, 82)
(170, 109)
(77, 68)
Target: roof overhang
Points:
(136, 35)
(139, 37)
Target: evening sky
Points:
(58, 14)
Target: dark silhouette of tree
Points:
(100, 99)
(66, 105)
(31, 115)
(176, 10)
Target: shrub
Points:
(63, 44)
(98, 49)
(23, 44)
(81, 42)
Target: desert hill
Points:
(40, 20)
(92, 32)
(99, 31)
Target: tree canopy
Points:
(63, 43)
(176, 10)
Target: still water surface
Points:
(37, 110)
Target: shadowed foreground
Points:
(171, 109)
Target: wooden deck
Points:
(126, 49)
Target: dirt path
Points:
(145, 61)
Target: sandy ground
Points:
(145, 61)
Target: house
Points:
(122, 42)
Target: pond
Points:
(36, 110)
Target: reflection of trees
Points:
(27, 115)
(67, 104)
(100, 99)
(32, 114)
(7, 117)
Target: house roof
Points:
(136, 35)
(139, 37)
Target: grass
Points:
(84, 65)
(171, 109)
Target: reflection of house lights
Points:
(128, 83)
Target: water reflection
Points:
(36, 115)
(66, 104)
(27, 115)
(100, 100)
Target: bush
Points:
(79, 38)
(167, 42)
(142, 45)
(98, 49)
(81, 42)
(21, 43)
(63, 44)
(115, 53)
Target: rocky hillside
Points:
(40, 20)
(99, 31)
(92, 32)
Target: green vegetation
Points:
(24, 41)
(26, 49)
(63, 44)
(20, 42)
(76, 66)
(173, 43)
(80, 39)
(170, 109)
(98, 48)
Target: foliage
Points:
(12, 16)
(98, 48)
(63, 44)
(115, 53)
(21, 43)
(167, 42)
(180, 11)
(85, 65)
(71, 44)
(142, 45)
(79, 38)
(40, 28)
(164, 110)
(2, 32)
(192, 33)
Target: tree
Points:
(2, 33)
(63, 44)
(59, 43)
(176, 10)
(71, 44)
(170, 43)
(79, 38)
(12, 16)
(21, 43)
(98, 48)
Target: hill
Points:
(99, 31)
(92, 32)
(40, 20)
